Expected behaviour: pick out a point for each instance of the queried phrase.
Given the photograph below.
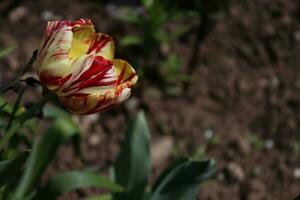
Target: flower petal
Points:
(53, 52)
(102, 45)
(83, 33)
(125, 72)
(96, 99)
(89, 71)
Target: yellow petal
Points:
(82, 39)
(102, 45)
(125, 72)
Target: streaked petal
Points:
(89, 71)
(53, 52)
(102, 45)
(83, 33)
(97, 100)
(125, 72)
(79, 66)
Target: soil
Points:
(242, 107)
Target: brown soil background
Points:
(245, 93)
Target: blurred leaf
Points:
(130, 40)
(181, 181)
(131, 16)
(100, 197)
(69, 181)
(148, 3)
(7, 51)
(31, 112)
(9, 168)
(51, 111)
(167, 171)
(172, 63)
(43, 152)
(15, 109)
(7, 108)
(133, 164)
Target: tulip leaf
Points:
(69, 181)
(9, 168)
(43, 152)
(51, 111)
(181, 181)
(133, 165)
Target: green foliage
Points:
(256, 142)
(9, 168)
(42, 154)
(133, 165)
(181, 180)
(69, 181)
(5, 52)
(130, 40)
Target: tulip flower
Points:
(78, 65)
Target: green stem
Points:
(33, 110)
(15, 109)
(23, 118)
(5, 87)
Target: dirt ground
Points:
(242, 107)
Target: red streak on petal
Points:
(129, 78)
(47, 79)
(99, 42)
(94, 76)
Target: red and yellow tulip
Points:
(78, 65)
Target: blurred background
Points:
(217, 79)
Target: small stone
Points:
(208, 133)
(94, 140)
(297, 173)
(161, 150)
(47, 15)
(269, 144)
(235, 172)
(18, 14)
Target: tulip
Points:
(78, 65)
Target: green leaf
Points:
(15, 109)
(51, 111)
(7, 109)
(182, 181)
(69, 181)
(130, 40)
(7, 51)
(43, 152)
(131, 16)
(167, 171)
(9, 168)
(133, 165)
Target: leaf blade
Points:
(42, 154)
(183, 180)
(69, 181)
(133, 164)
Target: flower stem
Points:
(23, 118)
